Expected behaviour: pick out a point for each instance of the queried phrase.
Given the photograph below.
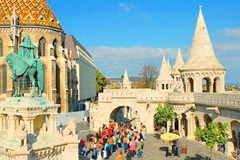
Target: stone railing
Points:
(208, 99)
(217, 99)
(181, 98)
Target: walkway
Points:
(154, 149)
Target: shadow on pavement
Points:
(197, 157)
(163, 148)
(157, 136)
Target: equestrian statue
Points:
(25, 65)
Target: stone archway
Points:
(206, 84)
(124, 114)
(190, 85)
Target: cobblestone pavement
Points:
(154, 149)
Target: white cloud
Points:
(127, 7)
(228, 46)
(230, 33)
(112, 61)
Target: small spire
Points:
(126, 84)
(125, 78)
(164, 71)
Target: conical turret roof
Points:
(179, 61)
(164, 74)
(202, 55)
(125, 78)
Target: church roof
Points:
(164, 72)
(30, 12)
(202, 55)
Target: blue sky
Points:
(132, 33)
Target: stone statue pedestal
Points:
(28, 130)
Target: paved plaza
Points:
(154, 148)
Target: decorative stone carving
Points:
(23, 135)
(71, 127)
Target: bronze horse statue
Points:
(25, 65)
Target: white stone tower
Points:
(164, 82)
(178, 83)
(126, 84)
(202, 65)
(169, 66)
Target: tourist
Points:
(120, 155)
(61, 128)
(129, 155)
(125, 143)
(110, 141)
(132, 145)
(144, 131)
(179, 148)
(99, 149)
(139, 148)
(85, 121)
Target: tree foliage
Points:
(100, 82)
(140, 83)
(214, 133)
(165, 113)
(149, 73)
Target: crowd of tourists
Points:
(123, 137)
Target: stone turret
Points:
(169, 66)
(164, 81)
(202, 64)
(126, 84)
(178, 84)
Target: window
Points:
(1, 47)
(162, 86)
(4, 79)
(55, 48)
(42, 47)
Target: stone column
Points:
(11, 123)
(29, 121)
(188, 88)
(52, 123)
(180, 125)
(211, 85)
(173, 124)
(168, 125)
(1, 121)
(190, 127)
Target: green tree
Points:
(214, 133)
(100, 82)
(164, 114)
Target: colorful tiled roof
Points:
(30, 12)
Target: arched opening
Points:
(190, 85)
(166, 86)
(184, 126)
(123, 114)
(235, 127)
(1, 47)
(206, 82)
(3, 76)
(42, 47)
(163, 86)
(176, 125)
(197, 122)
(207, 119)
(216, 85)
(55, 48)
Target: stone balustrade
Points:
(208, 99)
